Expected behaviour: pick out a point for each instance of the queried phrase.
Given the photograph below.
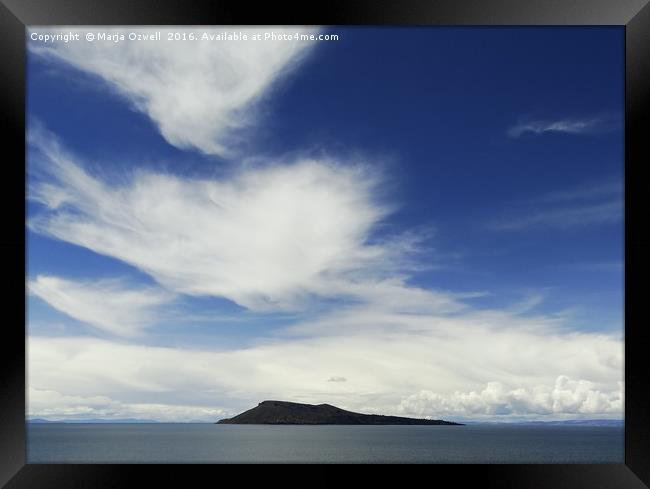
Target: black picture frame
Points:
(634, 15)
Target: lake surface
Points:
(210, 443)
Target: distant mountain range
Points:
(567, 422)
(579, 422)
(283, 412)
(295, 413)
(94, 421)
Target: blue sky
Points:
(456, 177)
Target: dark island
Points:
(283, 412)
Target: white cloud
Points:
(564, 396)
(105, 304)
(265, 238)
(198, 96)
(384, 356)
(567, 126)
(53, 405)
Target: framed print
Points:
(375, 234)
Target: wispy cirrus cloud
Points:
(266, 238)
(562, 218)
(199, 97)
(588, 204)
(108, 305)
(566, 126)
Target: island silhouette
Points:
(284, 412)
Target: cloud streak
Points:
(593, 125)
(578, 216)
(566, 126)
(589, 204)
(200, 98)
(107, 305)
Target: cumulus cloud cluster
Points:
(198, 95)
(565, 396)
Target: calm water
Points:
(209, 443)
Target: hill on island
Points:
(283, 412)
